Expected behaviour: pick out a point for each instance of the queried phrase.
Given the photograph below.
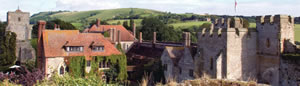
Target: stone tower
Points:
(18, 22)
(276, 36)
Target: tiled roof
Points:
(125, 34)
(55, 40)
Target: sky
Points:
(219, 7)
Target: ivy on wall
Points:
(77, 66)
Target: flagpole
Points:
(235, 6)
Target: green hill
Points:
(84, 17)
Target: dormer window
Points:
(74, 48)
(98, 48)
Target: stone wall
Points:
(241, 54)
(18, 22)
(290, 71)
(25, 52)
(53, 65)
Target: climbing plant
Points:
(77, 66)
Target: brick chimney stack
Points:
(55, 26)
(141, 37)
(119, 36)
(187, 39)
(113, 34)
(134, 31)
(98, 22)
(154, 38)
(42, 25)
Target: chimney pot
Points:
(141, 38)
(119, 36)
(154, 37)
(98, 22)
(134, 31)
(187, 39)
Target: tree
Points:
(50, 25)
(7, 47)
(131, 24)
(164, 32)
(125, 24)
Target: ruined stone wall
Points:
(289, 71)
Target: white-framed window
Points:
(74, 49)
(98, 48)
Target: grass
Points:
(188, 24)
(136, 21)
(297, 32)
(252, 25)
(83, 16)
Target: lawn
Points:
(188, 24)
(297, 32)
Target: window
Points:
(108, 64)
(268, 43)
(180, 71)
(191, 73)
(61, 70)
(88, 63)
(165, 67)
(98, 48)
(211, 63)
(19, 19)
(74, 49)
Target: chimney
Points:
(98, 22)
(154, 38)
(42, 25)
(119, 36)
(141, 38)
(187, 39)
(111, 34)
(134, 29)
(55, 26)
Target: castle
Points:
(228, 50)
(18, 22)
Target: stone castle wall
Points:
(289, 71)
(227, 50)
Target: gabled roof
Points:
(175, 54)
(54, 42)
(125, 34)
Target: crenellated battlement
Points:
(228, 23)
(277, 19)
